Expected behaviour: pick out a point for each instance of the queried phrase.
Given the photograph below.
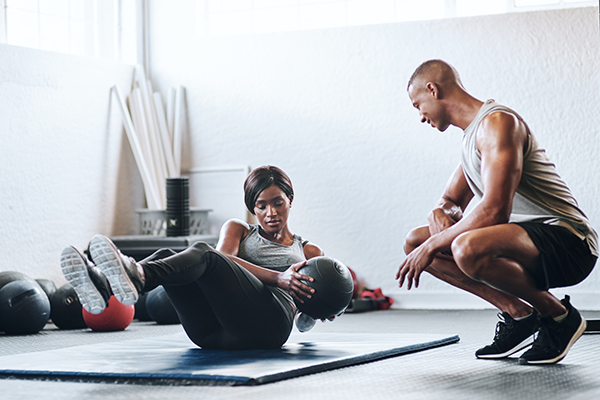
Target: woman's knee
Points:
(200, 248)
(415, 238)
(159, 255)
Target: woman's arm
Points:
(232, 233)
(312, 250)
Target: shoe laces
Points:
(504, 327)
(546, 339)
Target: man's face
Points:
(429, 107)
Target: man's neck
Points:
(464, 110)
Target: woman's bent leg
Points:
(220, 303)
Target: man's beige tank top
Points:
(541, 195)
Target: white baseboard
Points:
(438, 301)
(416, 300)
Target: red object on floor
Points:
(384, 302)
(354, 282)
(115, 317)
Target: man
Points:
(525, 235)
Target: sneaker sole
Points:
(525, 343)
(107, 258)
(304, 326)
(74, 267)
(562, 355)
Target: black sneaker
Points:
(90, 285)
(120, 270)
(554, 339)
(511, 336)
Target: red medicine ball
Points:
(115, 317)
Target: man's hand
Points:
(414, 264)
(439, 220)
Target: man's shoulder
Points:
(499, 122)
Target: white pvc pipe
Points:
(155, 163)
(171, 111)
(167, 147)
(153, 134)
(177, 128)
(141, 129)
(151, 195)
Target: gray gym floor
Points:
(449, 372)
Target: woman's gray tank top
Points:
(541, 195)
(264, 253)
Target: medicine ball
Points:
(141, 312)
(160, 308)
(66, 308)
(24, 308)
(333, 288)
(11, 276)
(47, 286)
(115, 317)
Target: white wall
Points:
(66, 170)
(330, 107)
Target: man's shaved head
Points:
(436, 71)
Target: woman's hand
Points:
(291, 280)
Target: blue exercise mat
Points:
(174, 359)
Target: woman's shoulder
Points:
(237, 223)
(235, 227)
(311, 250)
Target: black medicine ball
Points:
(24, 308)
(333, 286)
(66, 308)
(141, 312)
(47, 286)
(11, 276)
(160, 308)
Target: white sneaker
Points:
(74, 267)
(304, 323)
(120, 270)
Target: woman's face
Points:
(272, 209)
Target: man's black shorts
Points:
(565, 260)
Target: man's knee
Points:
(415, 238)
(468, 256)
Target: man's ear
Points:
(433, 90)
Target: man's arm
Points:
(449, 209)
(500, 140)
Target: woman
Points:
(239, 296)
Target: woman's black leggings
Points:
(220, 304)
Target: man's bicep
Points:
(501, 148)
(500, 173)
